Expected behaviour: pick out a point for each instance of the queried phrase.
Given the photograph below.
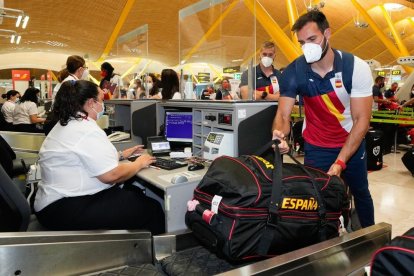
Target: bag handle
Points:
(276, 195)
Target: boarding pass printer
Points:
(218, 144)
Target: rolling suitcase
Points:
(408, 160)
(374, 149)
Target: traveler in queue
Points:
(111, 82)
(152, 84)
(7, 109)
(25, 115)
(170, 85)
(266, 76)
(80, 167)
(336, 120)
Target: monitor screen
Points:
(179, 126)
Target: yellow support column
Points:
(53, 75)
(136, 62)
(293, 16)
(286, 45)
(395, 34)
(121, 20)
(145, 67)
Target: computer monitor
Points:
(179, 128)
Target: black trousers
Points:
(27, 128)
(111, 209)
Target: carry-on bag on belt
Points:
(238, 214)
(396, 257)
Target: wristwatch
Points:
(264, 95)
(121, 155)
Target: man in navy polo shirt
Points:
(336, 88)
(267, 77)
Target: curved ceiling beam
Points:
(384, 39)
(121, 20)
(395, 34)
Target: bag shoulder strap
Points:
(276, 196)
(347, 70)
(301, 66)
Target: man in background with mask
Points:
(379, 101)
(267, 77)
(337, 115)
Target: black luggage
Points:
(408, 160)
(258, 219)
(396, 257)
(374, 149)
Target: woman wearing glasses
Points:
(75, 70)
(79, 167)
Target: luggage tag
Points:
(215, 203)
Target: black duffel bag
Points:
(396, 257)
(241, 215)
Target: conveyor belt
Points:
(131, 270)
(134, 252)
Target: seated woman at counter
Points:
(80, 168)
(7, 109)
(25, 115)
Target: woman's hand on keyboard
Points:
(145, 160)
(137, 150)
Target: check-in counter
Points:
(24, 141)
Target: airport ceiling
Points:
(99, 29)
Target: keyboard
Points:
(168, 164)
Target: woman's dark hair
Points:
(156, 84)
(63, 74)
(70, 99)
(73, 63)
(9, 94)
(170, 83)
(313, 16)
(30, 95)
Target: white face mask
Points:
(266, 61)
(313, 52)
(101, 113)
(149, 85)
(85, 75)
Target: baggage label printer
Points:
(218, 144)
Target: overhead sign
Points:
(203, 77)
(20, 75)
(396, 72)
(381, 73)
(231, 70)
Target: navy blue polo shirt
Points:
(263, 83)
(327, 103)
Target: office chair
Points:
(15, 211)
